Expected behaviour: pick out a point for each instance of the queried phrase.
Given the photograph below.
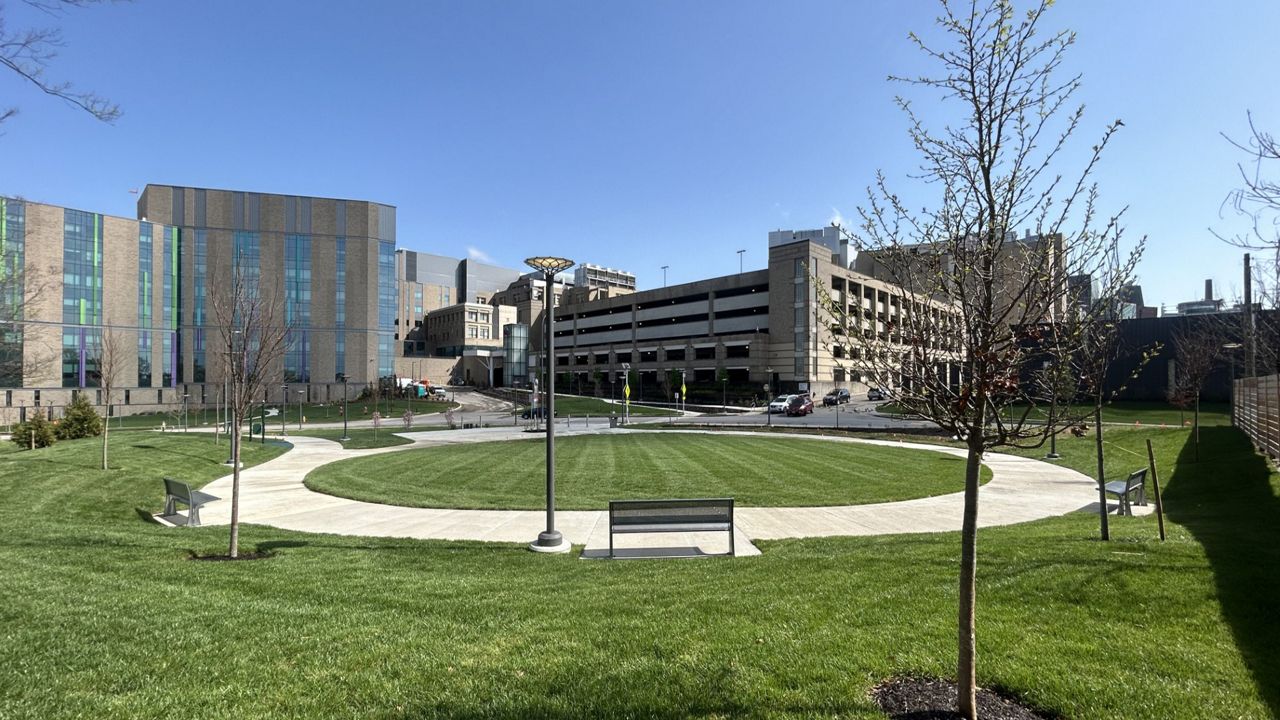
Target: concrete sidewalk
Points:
(1021, 490)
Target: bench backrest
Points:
(649, 512)
(1137, 478)
(178, 489)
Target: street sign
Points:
(626, 391)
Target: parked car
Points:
(800, 405)
(877, 394)
(839, 396)
(779, 404)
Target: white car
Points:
(779, 404)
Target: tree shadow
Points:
(1228, 503)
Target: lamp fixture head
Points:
(550, 265)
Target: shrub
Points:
(79, 421)
(42, 428)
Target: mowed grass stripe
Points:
(591, 470)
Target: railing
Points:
(1256, 405)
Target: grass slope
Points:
(578, 405)
(363, 439)
(1131, 411)
(101, 615)
(592, 470)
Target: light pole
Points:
(664, 275)
(550, 540)
(740, 261)
(300, 392)
(768, 412)
(1232, 347)
(344, 437)
(684, 392)
(184, 411)
(1053, 410)
(626, 392)
(284, 405)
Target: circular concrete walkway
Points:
(1021, 490)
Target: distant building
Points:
(587, 275)
(1204, 306)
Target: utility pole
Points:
(1251, 352)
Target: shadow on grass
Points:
(1228, 503)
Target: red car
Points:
(800, 405)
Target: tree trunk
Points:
(1195, 425)
(1102, 474)
(235, 493)
(106, 428)
(966, 670)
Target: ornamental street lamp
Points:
(550, 540)
(344, 437)
(284, 405)
(300, 392)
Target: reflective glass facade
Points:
(340, 309)
(386, 307)
(297, 276)
(146, 285)
(81, 296)
(12, 263)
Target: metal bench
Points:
(179, 492)
(1135, 486)
(684, 516)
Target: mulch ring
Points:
(910, 698)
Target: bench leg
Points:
(169, 508)
(610, 542)
(732, 551)
(193, 516)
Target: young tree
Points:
(112, 351)
(979, 310)
(27, 53)
(22, 285)
(1197, 349)
(254, 335)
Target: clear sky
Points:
(628, 134)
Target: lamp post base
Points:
(1052, 456)
(550, 542)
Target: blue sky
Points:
(633, 135)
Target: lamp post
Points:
(284, 404)
(1053, 412)
(300, 392)
(184, 411)
(740, 261)
(344, 437)
(550, 540)
(1232, 347)
(768, 412)
(626, 392)
(664, 275)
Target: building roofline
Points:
(148, 186)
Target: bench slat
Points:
(673, 527)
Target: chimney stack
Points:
(1208, 289)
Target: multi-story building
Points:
(770, 327)
(330, 263)
(588, 275)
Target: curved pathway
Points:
(1021, 490)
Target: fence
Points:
(1257, 411)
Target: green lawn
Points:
(592, 470)
(577, 405)
(311, 413)
(365, 438)
(1130, 411)
(103, 615)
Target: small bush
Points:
(42, 428)
(79, 421)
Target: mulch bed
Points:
(228, 558)
(933, 699)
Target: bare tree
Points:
(28, 52)
(979, 311)
(1197, 349)
(254, 337)
(113, 351)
